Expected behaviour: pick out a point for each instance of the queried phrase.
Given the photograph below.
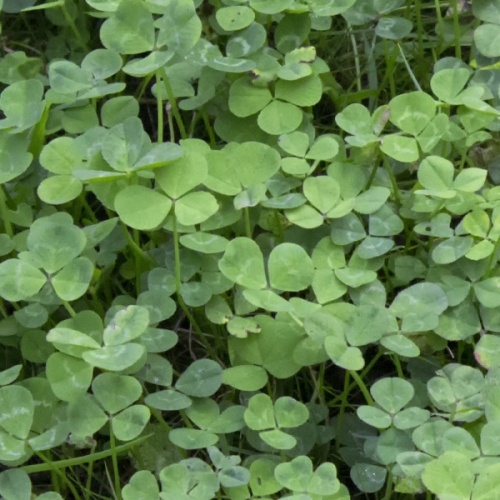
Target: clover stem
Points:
(343, 403)
(72, 462)
(491, 261)
(90, 473)
(157, 414)
(4, 213)
(365, 372)
(171, 129)
(373, 173)
(68, 308)
(73, 27)
(88, 208)
(397, 364)
(134, 246)
(114, 460)
(456, 29)
(248, 227)
(388, 489)
(180, 300)
(362, 387)
(356, 58)
(209, 129)
(173, 103)
(408, 68)
(394, 183)
(420, 27)
(64, 479)
(143, 85)
(159, 110)
(2, 309)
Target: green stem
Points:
(177, 257)
(397, 364)
(2, 309)
(492, 259)
(456, 30)
(364, 373)
(180, 300)
(343, 404)
(173, 103)
(114, 460)
(388, 489)
(248, 226)
(440, 28)
(68, 308)
(209, 129)
(389, 63)
(157, 414)
(171, 129)
(394, 182)
(63, 477)
(88, 208)
(143, 86)
(94, 457)
(408, 68)
(362, 387)
(356, 58)
(88, 482)
(74, 29)
(4, 213)
(136, 249)
(138, 263)
(420, 27)
(159, 109)
(373, 173)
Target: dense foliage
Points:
(249, 249)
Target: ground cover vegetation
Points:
(249, 249)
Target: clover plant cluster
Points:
(249, 249)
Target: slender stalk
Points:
(2, 309)
(159, 109)
(362, 387)
(62, 477)
(68, 308)
(397, 364)
(177, 257)
(74, 29)
(456, 29)
(388, 488)
(356, 58)
(389, 63)
(4, 213)
(171, 129)
(440, 29)
(180, 300)
(114, 461)
(408, 68)
(71, 462)
(209, 129)
(373, 173)
(248, 227)
(173, 103)
(394, 182)
(492, 259)
(88, 482)
(135, 248)
(420, 27)
(343, 404)
(88, 208)
(138, 263)
(365, 372)
(143, 85)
